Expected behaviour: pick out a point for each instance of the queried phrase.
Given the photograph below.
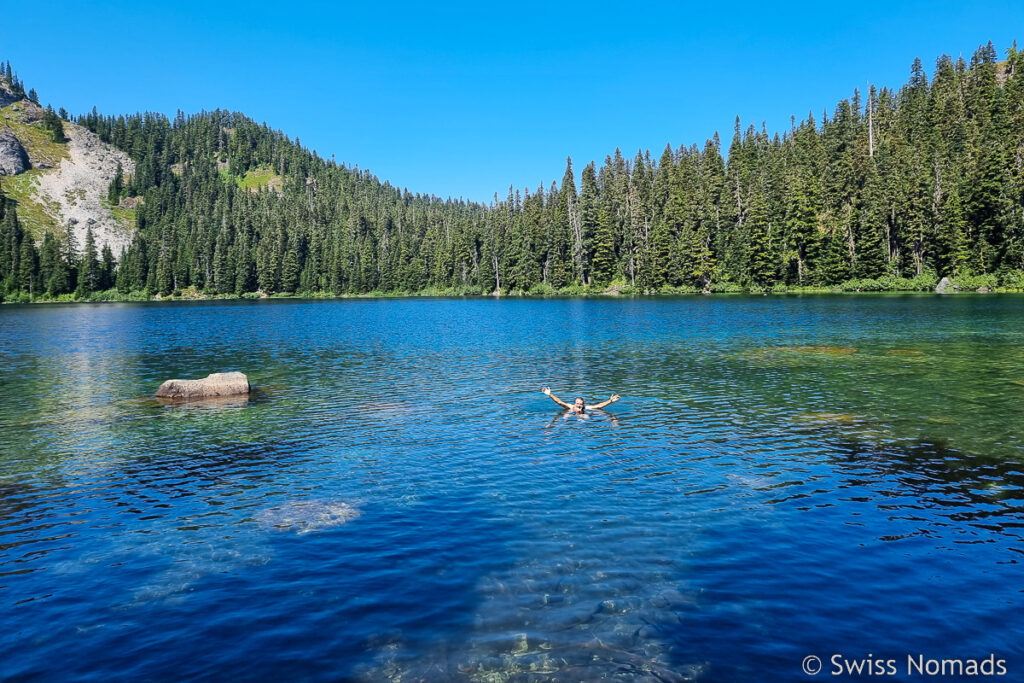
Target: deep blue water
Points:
(398, 501)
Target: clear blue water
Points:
(398, 501)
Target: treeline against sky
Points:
(892, 190)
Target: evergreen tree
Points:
(59, 272)
(165, 284)
(88, 267)
(869, 231)
(49, 255)
(116, 186)
(28, 266)
(588, 220)
(761, 264)
(55, 126)
(107, 269)
(951, 244)
(290, 271)
(802, 232)
(835, 258)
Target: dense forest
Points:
(893, 190)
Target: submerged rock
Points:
(833, 418)
(828, 350)
(904, 352)
(305, 516)
(216, 384)
(797, 356)
(13, 157)
(825, 350)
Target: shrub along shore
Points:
(1011, 283)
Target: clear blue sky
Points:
(464, 99)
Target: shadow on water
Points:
(875, 558)
(961, 487)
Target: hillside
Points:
(66, 186)
(893, 190)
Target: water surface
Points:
(398, 501)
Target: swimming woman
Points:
(579, 406)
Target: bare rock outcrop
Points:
(7, 94)
(13, 157)
(79, 185)
(31, 112)
(216, 384)
(944, 286)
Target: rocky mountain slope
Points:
(78, 189)
(63, 188)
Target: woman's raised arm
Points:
(554, 398)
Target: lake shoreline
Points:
(568, 294)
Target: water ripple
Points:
(397, 500)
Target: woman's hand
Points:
(546, 390)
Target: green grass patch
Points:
(125, 217)
(37, 215)
(256, 179)
(36, 139)
(259, 178)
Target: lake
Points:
(397, 500)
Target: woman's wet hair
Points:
(579, 398)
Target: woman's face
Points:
(578, 405)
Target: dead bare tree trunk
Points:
(497, 273)
(849, 235)
(576, 224)
(630, 199)
(890, 248)
(871, 123)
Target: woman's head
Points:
(579, 404)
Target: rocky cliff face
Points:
(78, 188)
(7, 95)
(13, 157)
(60, 186)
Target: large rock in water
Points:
(13, 157)
(944, 286)
(217, 384)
